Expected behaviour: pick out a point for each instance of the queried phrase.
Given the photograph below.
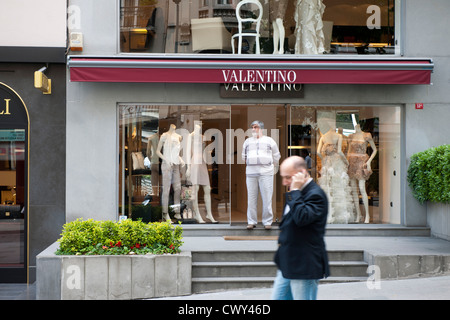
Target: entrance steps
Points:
(230, 270)
(233, 267)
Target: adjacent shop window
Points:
(12, 196)
(260, 27)
(171, 163)
(354, 155)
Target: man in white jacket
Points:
(261, 155)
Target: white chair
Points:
(247, 33)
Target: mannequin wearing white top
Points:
(197, 172)
(170, 167)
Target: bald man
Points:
(301, 257)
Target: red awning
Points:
(321, 70)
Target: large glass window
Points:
(172, 163)
(265, 27)
(185, 162)
(354, 155)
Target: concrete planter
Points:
(438, 218)
(111, 277)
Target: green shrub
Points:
(89, 237)
(429, 175)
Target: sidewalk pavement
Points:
(436, 287)
(432, 288)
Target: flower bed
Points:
(89, 237)
(114, 260)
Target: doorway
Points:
(274, 119)
(14, 151)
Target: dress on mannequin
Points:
(334, 179)
(359, 169)
(170, 142)
(197, 173)
(309, 34)
(277, 13)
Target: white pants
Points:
(170, 177)
(265, 185)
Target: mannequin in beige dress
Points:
(197, 172)
(359, 169)
(334, 178)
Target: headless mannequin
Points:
(277, 13)
(330, 145)
(195, 150)
(358, 180)
(171, 141)
(331, 137)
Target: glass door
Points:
(13, 187)
(274, 119)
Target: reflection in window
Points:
(286, 26)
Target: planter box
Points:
(111, 277)
(438, 218)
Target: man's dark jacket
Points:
(301, 253)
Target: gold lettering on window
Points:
(5, 111)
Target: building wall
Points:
(47, 151)
(425, 26)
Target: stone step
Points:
(201, 285)
(267, 268)
(232, 269)
(360, 230)
(267, 255)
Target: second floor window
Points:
(299, 27)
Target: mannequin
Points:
(261, 156)
(170, 167)
(359, 169)
(277, 13)
(152, 145)
(334, 179)
(197, 172)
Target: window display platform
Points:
(348, 230)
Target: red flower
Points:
(138, 245)
(118, 244)
(111, 244)
(172, 246)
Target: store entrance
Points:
(13, 187)
(274, 119)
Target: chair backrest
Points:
(245, 19)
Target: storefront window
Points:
(12, 197)
(306, 27)
(171, 163)
(354, 155)
(185, 162)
